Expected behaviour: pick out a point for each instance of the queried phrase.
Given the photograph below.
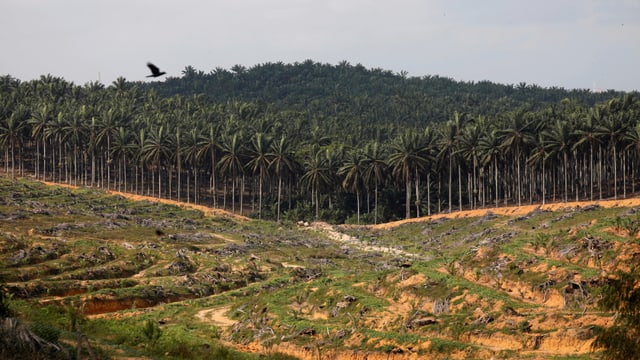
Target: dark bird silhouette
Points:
(155, 72)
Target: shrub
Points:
(151, 331)
(5, 303)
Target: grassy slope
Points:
(468, 287)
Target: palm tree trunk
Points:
(279, 195)
(375, 210)
(450, 182)
(518, 176)
(615, 174)
(260, 195)
(544, 196)
(591, 172)
(459, 187)
(358, 202)
(600, 171)
(565, 197)
(408, 196)
(417, 193)
(428, 194)
(495, 176)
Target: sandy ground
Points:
(216, 316)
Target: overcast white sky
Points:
(582, 44)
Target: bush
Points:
(151, 331)
(5, 303)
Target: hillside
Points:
(504, 283)
(351, 90)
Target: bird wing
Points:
(154, 69)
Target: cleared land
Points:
(517, 282)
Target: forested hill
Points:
(375, 94)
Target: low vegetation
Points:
(86, 274)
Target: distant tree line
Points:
(316, 141)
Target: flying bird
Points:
(155, 72)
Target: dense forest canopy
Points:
(310, 86)
(311, 140)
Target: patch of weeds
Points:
(629, 224)
(151, 332)
(442, 346)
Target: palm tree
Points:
(406, 158)
(353, 172)
(375, 165)
(469, 148)
(40, 117)
(108, 123)
(429, 143)
(586, 133)
(611, 129)
(282, 163)
(177, 154)
(74, 133)
(632, 137)
(11, 134)
(558, 140)
(515, 135)
(490, 147)
(539, 155)
(191, 156)
(121, 150)
(316, 174)
(155, 150)
(55, 132)
(448, 143)
(259, 162)
(333, 158)
(231, 163)
(208, 146)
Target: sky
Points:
(573, 44)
